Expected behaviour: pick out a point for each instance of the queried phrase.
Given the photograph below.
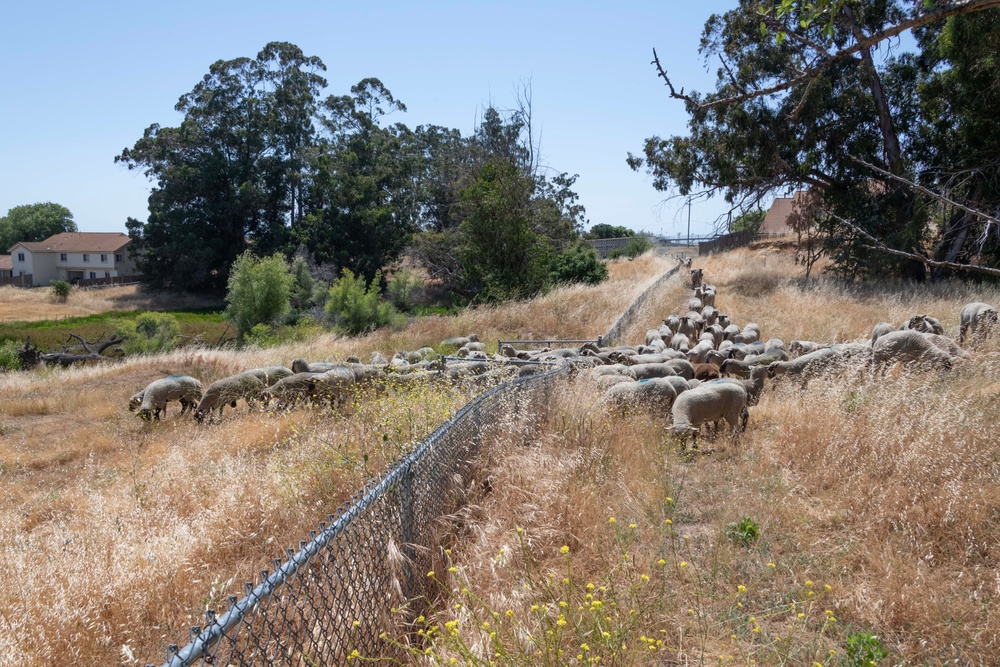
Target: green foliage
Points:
(149, 333)
(61, 289)
(10, 358)
(34, 222)
(606, 231)
(306, 291)
(579, 264)
(635, 247)
(745, 531)
(864, 649)
(259, 291)
(355, 309)
(748, 222)
(502, 257)
(264, 335)
(401, 287)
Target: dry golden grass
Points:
(116, 535)
(885, 490)
(30, 305)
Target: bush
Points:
(635, 247)
(353, 309)
(401, 288)
(10, 358)
(149, 333)
(61, 289)
(579, 264)
(259, 292)
(864, 648)
(264, 335)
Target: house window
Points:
(86, 257)
(92, 274)
(104, 258)
(119, 257)
(62, 257)
(107, 274)
(20, 256)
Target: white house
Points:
(73, 256)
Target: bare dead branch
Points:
(876, 244)
(922, 189)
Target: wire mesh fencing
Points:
(335, 594)
(628, 317)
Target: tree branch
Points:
(923, 190)
(943, 12)
(928, 263)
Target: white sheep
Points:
(709, 402)
(227, 391)
(797, 348)
(881, 329)
(909, 347)
(978, 318)
(656, 394)
(694, 303)
(152, 401)
(680, 342)
(270, 374)
(754, 385)
(805, 365)
(924, 324)
(696, 276)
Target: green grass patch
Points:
(206, 325)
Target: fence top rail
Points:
(508, 361)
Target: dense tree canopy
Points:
(34, 222)
(262, 163)
(802, 99)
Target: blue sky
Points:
(81, 81)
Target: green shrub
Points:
(353, 309)
(635, 247)
(10, 359)
(259, 291)
(149, 333)
(61, 289)
(401, 288)
(265, 335)
(579, 264)
(745, 531)
(864, 649)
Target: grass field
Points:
(855, 516)
(116, 534)
(28, 305)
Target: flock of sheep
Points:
(705, 369)
(700, 366)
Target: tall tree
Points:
(228, 179)
(362, 196)
(34, 222)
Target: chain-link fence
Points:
(628, 317)
(335, 594)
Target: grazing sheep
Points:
(303, 366)
(331, 386)
(682, 367)
(152, 401)
(774, 344)
(460, 341)
(804, 366)
(228, 390)
(697, 354)
(680, 342)
(673, 322)
(709, 402)
(799, 347)
(979, 318)
(270, 374)
(741, 350)
(696, 276)
(693, 382)
(948, 345)
(881, 329)
(656, 394)
(754, 386)
(653, 334)
(924, 324)
(741, 368)
(710, 315)
(694, 303)
(290, 390)
(658, 358)
(724, 321)
(717, 357)
(730, 331)
(605, 381)
(647, 371)
(909, 347)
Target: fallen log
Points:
(92, 351)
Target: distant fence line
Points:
(23, 280)
(108, 282)
(734, 240)
(628, 317)
(374, 554)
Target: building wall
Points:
(44, 270)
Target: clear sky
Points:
(82, 80)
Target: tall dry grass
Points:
(116, 534)
(30, 305)
(882, 489)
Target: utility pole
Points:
(689, 222)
